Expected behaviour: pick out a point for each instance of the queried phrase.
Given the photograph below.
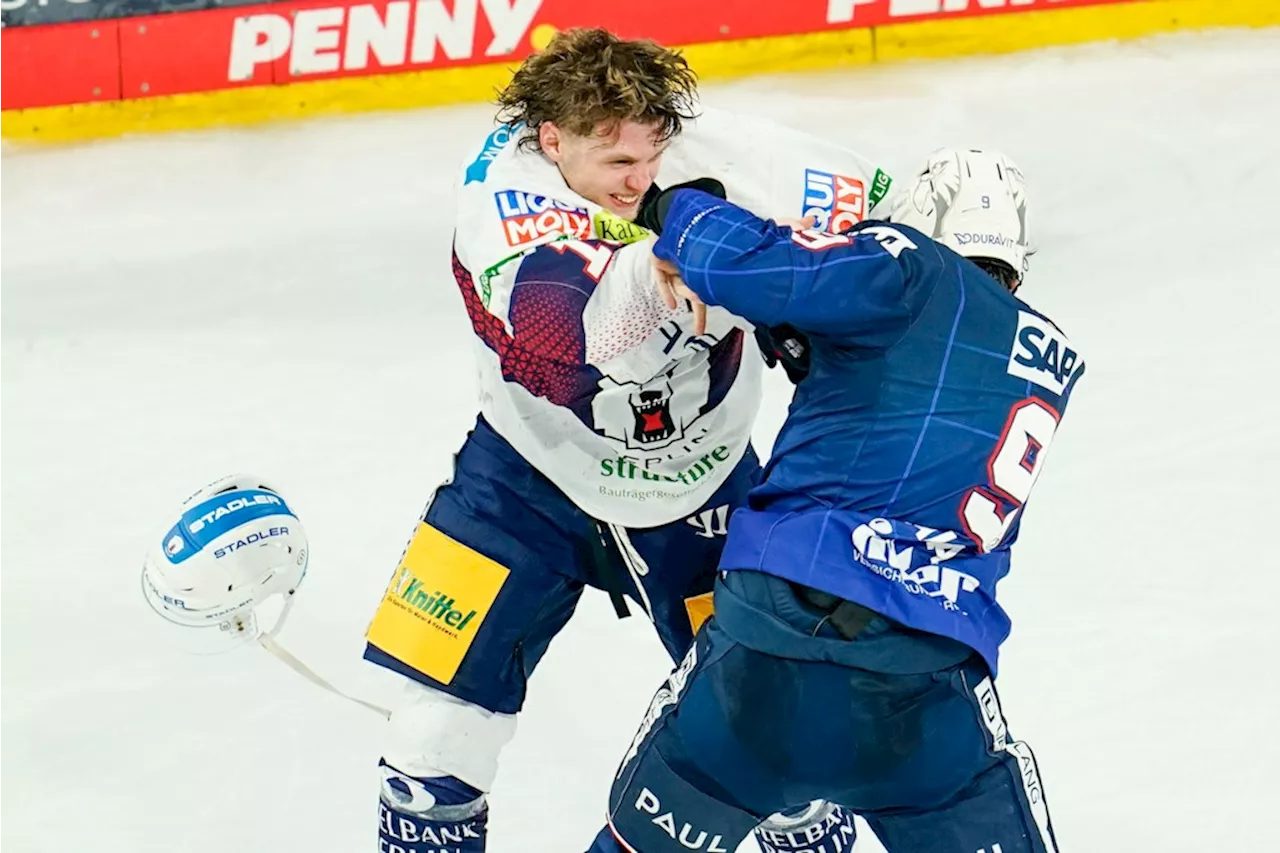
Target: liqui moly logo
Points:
(835, 201)
(528, 218)
(350, 38)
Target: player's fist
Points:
(657, 201)
(802, 224)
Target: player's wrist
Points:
(656, 204)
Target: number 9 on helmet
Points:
(975, 203)
(235, 545)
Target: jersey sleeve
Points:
(546, 291)
(851, 287)
(605, 292)
(774, 170)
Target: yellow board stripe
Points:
(1012, 32)
(830, 49)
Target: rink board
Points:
(246, 65)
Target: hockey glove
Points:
(657, 201)
(785, 345)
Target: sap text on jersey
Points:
(836, 201)
(528, 218)
(231, 506)
(1042, 354)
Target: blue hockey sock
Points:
(437, 814)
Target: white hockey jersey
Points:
(582, 368)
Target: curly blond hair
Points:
(588, 77)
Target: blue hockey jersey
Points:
(909, 452)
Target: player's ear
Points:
(550, 139)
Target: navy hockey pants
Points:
(509, 522)
(772, 708)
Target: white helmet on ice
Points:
(973, 202)
(236, 545)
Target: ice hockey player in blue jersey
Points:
(855, 641)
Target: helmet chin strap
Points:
(244, 628)
(267, 639)
(268, 642)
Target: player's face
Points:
(612, 169)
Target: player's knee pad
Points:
(651, 808)
(434, 734)
(819, 827)
(430, 815)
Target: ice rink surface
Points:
(278, 300)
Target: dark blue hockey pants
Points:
(773, 708)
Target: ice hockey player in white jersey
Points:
(614, 432)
